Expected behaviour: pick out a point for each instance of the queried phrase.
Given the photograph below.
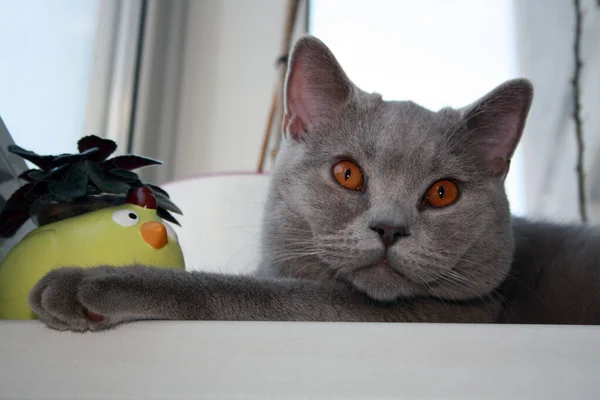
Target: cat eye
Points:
(349, 175)
(441, 194)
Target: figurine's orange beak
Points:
(155, 234)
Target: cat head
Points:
(395, 199)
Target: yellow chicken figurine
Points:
(128, 234)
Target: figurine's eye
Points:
(171, 232)
(349, 175)
(441, 194)
(125, 217)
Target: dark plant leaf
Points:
(60, 192)
(25, 175)
(166, 203)
(157, 189)
(77, 180)
(128, 162)
(167, 216)
(36, 189)
(93, 190)
(15, 212)
(19, 195)
(125, 175)
(73, 186)
(73, 158)
(105, 147)
(104, 181)
(44, 162)
(40, 175)
(53, 174)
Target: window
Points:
(67, 69)
(48, 52)
(434, 52)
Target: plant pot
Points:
(109, 235)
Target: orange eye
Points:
(442, 194)
(348, 175)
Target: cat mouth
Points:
(384, 264)
(383, 281)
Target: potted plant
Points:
(90, 210)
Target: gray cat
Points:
(377, 211)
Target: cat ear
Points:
(496, 121)
(316, 86)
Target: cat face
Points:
(397, 200)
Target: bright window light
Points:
(435, 52)
(47, 55)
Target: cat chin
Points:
(383, 283)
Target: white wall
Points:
(226, 84)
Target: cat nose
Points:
(389, 234)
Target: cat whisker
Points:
(337, 274)
(511, 276)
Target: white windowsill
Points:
(217, 360)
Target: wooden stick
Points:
(291, 13)
(265, 145)
(576, 81)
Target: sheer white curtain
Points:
(546, 31)
(435, 52)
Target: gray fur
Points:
(468, 262)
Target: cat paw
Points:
(59, 300)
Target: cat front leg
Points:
(101, 298)
(94, 299)
(55, 299)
